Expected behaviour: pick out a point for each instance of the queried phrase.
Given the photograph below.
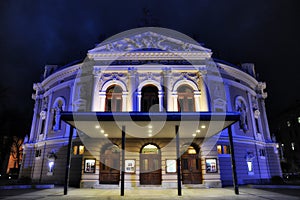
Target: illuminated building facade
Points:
(149, 71)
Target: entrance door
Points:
(150, 166)
(110, 165)
(191, 167)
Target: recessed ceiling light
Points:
(149, 134)
(97, 126)
(203, 126)
(194, 135)
(102, 131)
(106, 135)
(149, 131)
(150, 126)
(198, 131)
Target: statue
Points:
(240, 107)
(57, 111)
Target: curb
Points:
(275, 186)
(11, 187)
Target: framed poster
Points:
(171, 166)
(89, 165)
(130, 166)
(211, 165)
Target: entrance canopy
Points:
(150, 124)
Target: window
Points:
(38, 153)
(150, 149)
(149, 99)
(50, 167)
(43, 126)
(113, 102)
(191, 150)
(262, 153)
(185, 99)
(219, 149)
(223, 149)
(293, 146)
(257, 125)
(81, 149)
(249, 159)
(78, 150)
(89, 165)
(250, 167)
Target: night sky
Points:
(34, 33)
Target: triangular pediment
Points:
(149, 41)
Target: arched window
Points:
(113, 101)
(185, 99)
(150, 99)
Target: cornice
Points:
(60, 75)
(151, 55)
(238, 74)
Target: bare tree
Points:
(16, 150)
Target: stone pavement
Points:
(152, 193)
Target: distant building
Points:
(149, 71)
(287, 135)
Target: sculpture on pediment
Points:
(148, 40)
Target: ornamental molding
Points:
(238, 74)
(60, 75)
(113, 78)
(150, 76)
(161, 46)
(193, 77)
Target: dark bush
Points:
(277, 180)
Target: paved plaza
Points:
(152, 193)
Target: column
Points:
(252, 116)
(48, 120)
(197, 99)
(123, 161)
(203, 97)
(233, 164)
(66, 184)
(175, 101)
(131, 89)
(139, 98)
(160, 101)
(34, 119)
(178, 161)
(124, 101)
(102, 96)
(95, 99)
(168, 87)
(264, 116)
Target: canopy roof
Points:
(152, 124)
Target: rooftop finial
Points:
(148, 19)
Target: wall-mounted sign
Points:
(89, 165)
(130, 166)
(211, 165)
(170, 166)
